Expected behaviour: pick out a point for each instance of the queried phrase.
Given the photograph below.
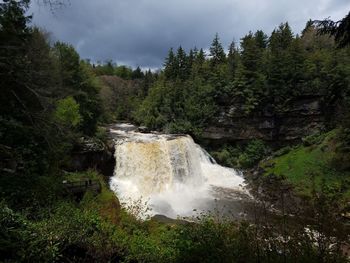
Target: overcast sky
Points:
(140, 32)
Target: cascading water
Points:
(172, 173)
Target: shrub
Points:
(14, 233)
(313, 139)
(253, 152)
(67, 112)
(282, 151)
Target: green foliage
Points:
(253, 152)
(14, 232)
(217, 52)
(227, 155)
(308, 167)
(282, 151)
(67, 112)
(81, 231)
(313, 139)
(39, 222)
(178, 107)
(341, 157)
(78, 80)
(111, 69)
(242, 156)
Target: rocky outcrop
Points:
(300, 117)
(93, 153)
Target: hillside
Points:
(311, 166)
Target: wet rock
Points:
(143, 129)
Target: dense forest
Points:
(52, 102)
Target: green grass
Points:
(306, 167)
(105, 202)
(80, 176)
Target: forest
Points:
(52, 101)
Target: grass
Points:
(307, 167)
(105, 202)
(81, 176)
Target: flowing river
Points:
(171, 175)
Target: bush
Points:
(242, 157)
(14, 233)
(254, 151)
(313, 139)
(282, 151)
(227, 155)
(67, 112)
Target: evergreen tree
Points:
(279, 64)
(340, 30)
(190, 60)
(251, 53)
(137, 73)
(147, 82)
(297, 58)
(217, 52)
(183, 67)
(309, 24)
(232, 60)
(14, 39)
(195, 52)
(171, 65)
(261, 39)
(281, 38)
(200, 59)
(198, 64)
(68, 64)
(249, 85)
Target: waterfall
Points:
(171, 172)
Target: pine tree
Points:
(232, 60)
(261, 39)
(281, 38)
(195, 52)
(190, 59)
(198, 64)
(251, 53)
(171, 65)
(280, 64)
(14, 38)
(297, 58)
(137, 73)
(217, 52)
(183, 70)
(200, 59)
(340, 30)
(249, 84)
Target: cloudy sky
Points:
(140, 32)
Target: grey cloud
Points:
(140, 32)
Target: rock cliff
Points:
(300, 117)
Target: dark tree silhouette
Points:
(340, 30)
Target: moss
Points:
(307, 167)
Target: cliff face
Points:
(300, 117)
(91, 153)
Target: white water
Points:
(173, 174)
